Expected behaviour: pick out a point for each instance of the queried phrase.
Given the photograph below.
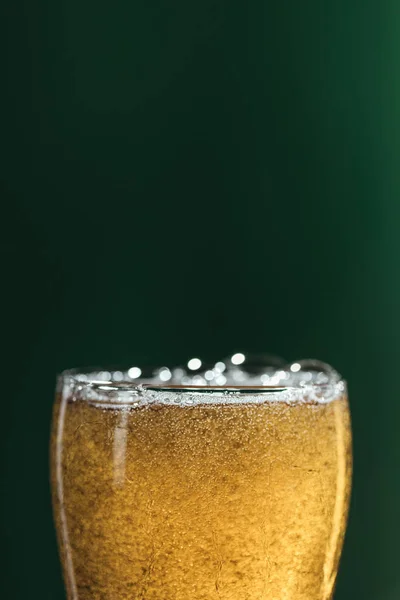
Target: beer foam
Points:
(237, 380)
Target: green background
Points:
(195, 178)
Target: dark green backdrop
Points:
(191, 178)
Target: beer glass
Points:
(224, 482)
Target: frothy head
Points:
(236, 379)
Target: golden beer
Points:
(244, 498)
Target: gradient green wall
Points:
(191, 178)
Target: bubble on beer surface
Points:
(164, 374)
(194, 364)
(220, 366)
(118, 376)
(134, 372)
(209, 375)
(241, 378)
(238, 358)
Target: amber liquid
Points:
(226, 502)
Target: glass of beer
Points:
(229, 482)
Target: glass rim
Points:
(82, 383)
